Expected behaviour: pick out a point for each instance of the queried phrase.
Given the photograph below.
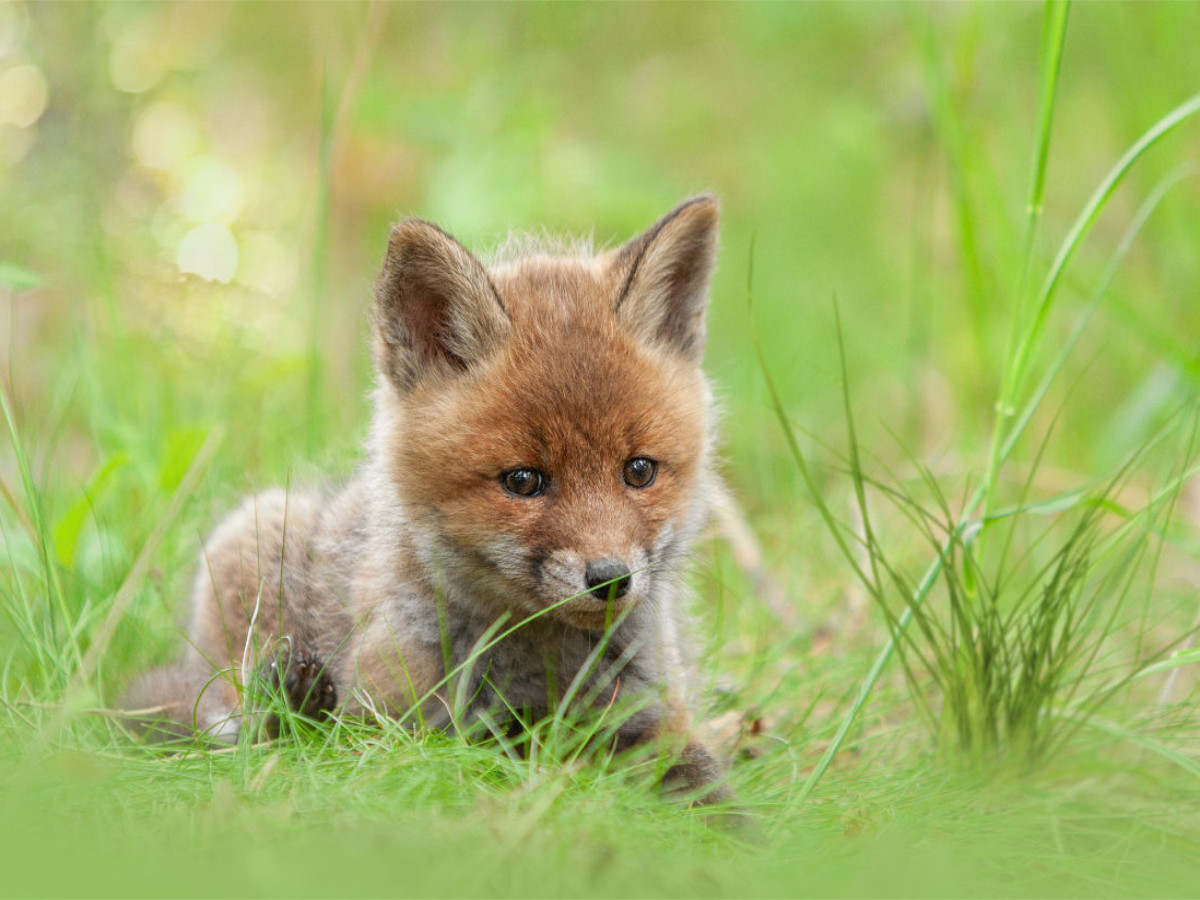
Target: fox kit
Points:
(540, 454)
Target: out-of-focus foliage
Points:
(214, 174)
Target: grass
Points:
(972, 472)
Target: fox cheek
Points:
(512, 560)
(559, 575)
(668, 545)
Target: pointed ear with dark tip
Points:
(668, 268)
(436, 310)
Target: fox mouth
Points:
(588, 611)
(556, 584)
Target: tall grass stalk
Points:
(319, 254)
(54, 629)
(333, 124)
(1054, 35)
(960, 156)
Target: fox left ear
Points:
(436, 310)
(668, 269)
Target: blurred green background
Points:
(217, 181)
(195, 198)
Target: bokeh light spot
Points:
(165, 134)
(138, 61)
(13, 25)
(267, 265)
(209, 251)
(213, 192)
(23, 95)
(15, 143)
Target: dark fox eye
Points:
(523, 482)
(639, 472)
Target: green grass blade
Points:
(1168, 753)
(1016, 368)
(1054, 33)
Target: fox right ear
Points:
(436, 310)
(667, 271)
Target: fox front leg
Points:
(693, 772)
(697, 775)
(304, 683)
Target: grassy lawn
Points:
(954, 337)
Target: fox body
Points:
(540, 453)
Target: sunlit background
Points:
(218, 175)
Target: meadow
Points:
(953, 333)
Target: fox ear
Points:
(668, 268)
(435, 307)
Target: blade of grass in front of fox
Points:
(604, 725)
(279, 595)
(564, 724)
(596, 655)
(506, 743)
(493, 641)
(566, 736)
(417, 703)
(558, 722)
(461, 679)
(967, 528)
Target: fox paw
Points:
(303, 681)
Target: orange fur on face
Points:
(573, 394)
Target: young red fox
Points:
(541, 443)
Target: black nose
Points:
(598, 575)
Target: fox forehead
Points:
(551, 293)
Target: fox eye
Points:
(640, 472)
(523, 482)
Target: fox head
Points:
(545, 422)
